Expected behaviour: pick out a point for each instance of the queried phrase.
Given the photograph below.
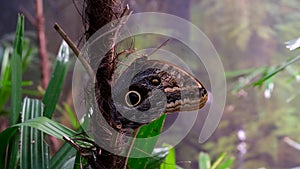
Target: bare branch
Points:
(40, 26)
(76, 51)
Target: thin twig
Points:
(67, 39)
(40, 26)
(76, 51)
(162, 45)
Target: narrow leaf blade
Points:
(16, 68)
(48, 126)
(55, 85)
(16, 92)
(204, 161)
(64, 154)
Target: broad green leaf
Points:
(170, 160)
(57, 80)
(69, 163)
(204, 161)
(156, 159)
(34, 150)
(147, 145)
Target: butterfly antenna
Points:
(162, 45)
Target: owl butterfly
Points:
(149, 88)
(145, 90)
(141, 93)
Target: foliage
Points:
(240, 21)
(34, 150)
(31, 139)
(6, 63)
(271, 122)
(35, 122)
(222, 162)
(266, 75)
(147, 146)
(262, 76)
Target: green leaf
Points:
(69, 163)
(28, 53)
(218, 161)
(16, 92)
(72, 116)
(57, 80)
(157, 158)
(242, 72)
(67, 153)
(34, 150)
(222, 162)
(5, 137)
(170, 160)
(48, 126)
(226, 164)
(41, 123)
(63, 155)
(16, 68)
(274, 72)
(146, 146)
(5, 76)
(204, 161)
(5, 63)
(8, 83)
(79, 161)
